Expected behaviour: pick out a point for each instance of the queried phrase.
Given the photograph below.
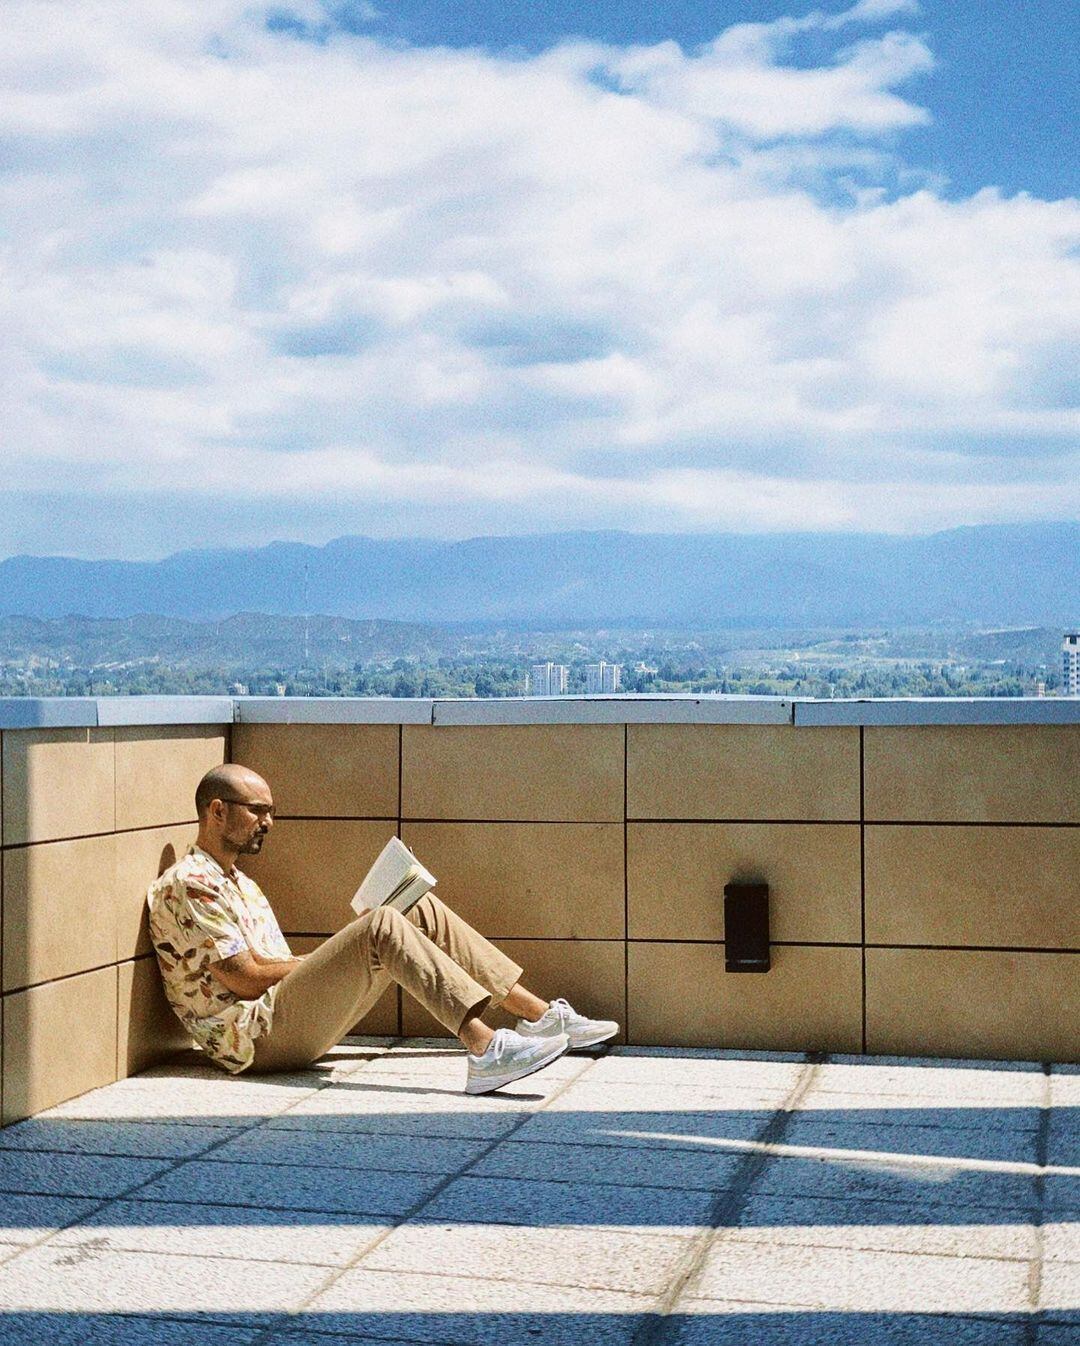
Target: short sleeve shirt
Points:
(199, 914)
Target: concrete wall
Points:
(923, 877)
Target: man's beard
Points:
(254, 845)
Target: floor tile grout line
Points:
(515, 1277)
(262, 1340)
(1036, 1269)
(872, 1160)
(835, 1199)
(686, 1146)
(382, 1219)
(656, 1329)
(379, 1222)
(959, 1256)
(371, 1168)
(200, 1257)
(508, 1279)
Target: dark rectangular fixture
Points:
(746, 927)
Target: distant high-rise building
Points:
(548, 679)
(1070, 661)
(601, 677)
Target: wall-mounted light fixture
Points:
(746, 927)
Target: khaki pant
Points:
(431, 952)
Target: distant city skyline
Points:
(547, 679)
(602, 677)
(326, 267)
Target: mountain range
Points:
(1003, 574)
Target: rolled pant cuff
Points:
(500, 991)
(480, 1005)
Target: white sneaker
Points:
(509, 1057)
(561, 1017)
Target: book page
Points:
(392, 875)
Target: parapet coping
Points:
(85, 712)
(515, 710)
(103, 712)
(928, 710)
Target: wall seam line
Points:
(3, 1072)
(399, 1003)
(862, 871)
(626, 885)
(98, 836)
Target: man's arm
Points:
(247, 978)
(263, 959)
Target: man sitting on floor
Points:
(248, 1003)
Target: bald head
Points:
(226, 782)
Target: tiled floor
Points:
(635, 1196)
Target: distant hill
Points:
(247, 639)
(994, 575)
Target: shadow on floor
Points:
(546, 1329)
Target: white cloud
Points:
(869, 11)
(738, 81)
(597, 284)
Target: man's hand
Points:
(248, 977)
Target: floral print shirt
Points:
(198, 916)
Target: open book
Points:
(396, 879)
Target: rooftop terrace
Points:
(746, 1164)
(642, 1196)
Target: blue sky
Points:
(1003, 106)
(298, 270)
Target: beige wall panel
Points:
(676, 874)
(736, 771)
(57, 783)
(680, 995)
(324, 770)
(382, 1019)
(943, 1002)
(309, 870)
(158, 769)
(59, 909)
(59, 1041)
(1011, 886)
(973, 773)
(146, 1027)
(532, 773)
(528, 880)
(140, 858)
(588, 973)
